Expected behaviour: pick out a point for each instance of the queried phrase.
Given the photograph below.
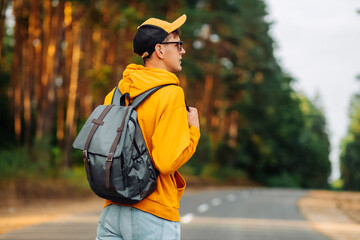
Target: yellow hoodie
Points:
(170, 140)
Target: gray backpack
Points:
(117, 162)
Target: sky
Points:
(318, 44)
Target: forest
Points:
(60, 58)
(350, 147)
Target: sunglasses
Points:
(178, 44)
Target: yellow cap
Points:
(168, 27)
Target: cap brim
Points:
(177, 23)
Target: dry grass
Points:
(34, 200)
(22, 191)
(335, 214)
(39, 211)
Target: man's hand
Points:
(193, 118)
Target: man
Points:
(171, 134)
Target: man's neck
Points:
(155, 64)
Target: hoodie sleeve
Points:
(174, 142)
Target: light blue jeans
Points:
(128, 223)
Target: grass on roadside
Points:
(30, 174)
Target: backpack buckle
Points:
(85, 155)
(110, 157)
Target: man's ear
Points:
(159, 51)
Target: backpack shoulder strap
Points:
(116, 97)
(142, 97)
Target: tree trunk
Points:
(85, 92)
(60, 113)
(30, 65)
(44, 86)
(205, 106)
(28, 56)
(63, 89)
(52, 65)
(70, 113)
(36, 71)
(16, 69)
(233, 129)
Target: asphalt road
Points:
(256, 214)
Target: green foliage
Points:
(279, 143)
(337, 185)
(284, 180)
(316, 147)
(226, 155)
(15, 163)
(22, 162)
(350, 152)
(76, 176)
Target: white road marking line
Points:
(216, 202)
(203, 208)
(187, 218)
(231, 197)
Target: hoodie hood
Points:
(138, 79)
